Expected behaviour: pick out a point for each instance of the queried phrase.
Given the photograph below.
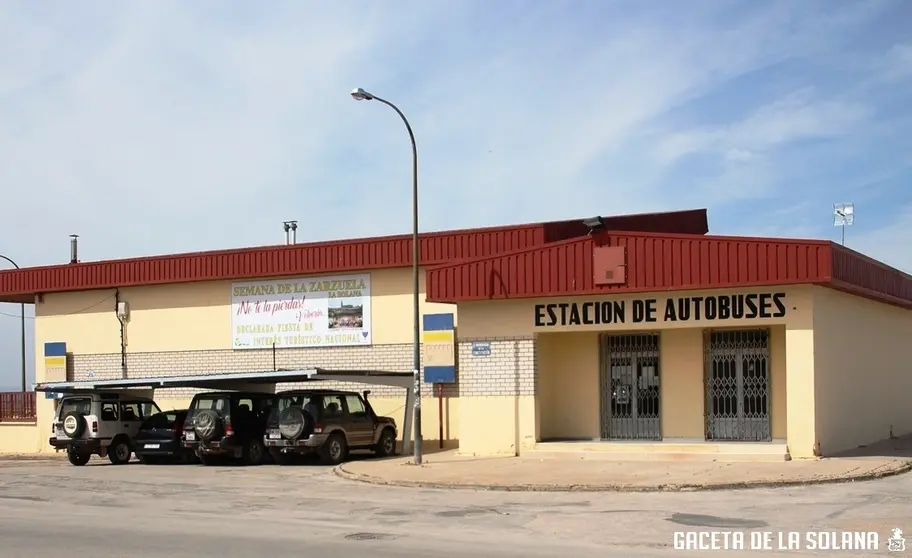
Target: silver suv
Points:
(101, 424)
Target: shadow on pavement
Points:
(900, 447)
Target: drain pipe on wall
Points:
(122, 312)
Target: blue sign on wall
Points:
(481, 348)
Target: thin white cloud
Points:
(887, 242)
(799, 115)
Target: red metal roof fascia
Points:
(438, 248)
(111, 278)
(252, 263)
(639, 234)
(436, 280)
(869, 277)
(442, 278)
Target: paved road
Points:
(54, 509)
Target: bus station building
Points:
(634, 333)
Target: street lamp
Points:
(362, 95)
(22, 325)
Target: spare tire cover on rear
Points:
(73, 424)
(293, 422)
(207, 423)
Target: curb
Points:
(31, 457)
(903, 467)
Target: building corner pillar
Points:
(801, 411)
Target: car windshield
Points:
(81, 405)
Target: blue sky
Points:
(161, 127)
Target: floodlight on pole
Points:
(843, 216)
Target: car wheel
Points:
(78, 458)
(119, 452)
(254, 452)
(386, 445)
(334, 450)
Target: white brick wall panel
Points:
(393, 358)
(511, 369)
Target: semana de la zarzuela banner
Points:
(330, 311)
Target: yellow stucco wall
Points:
(496, 425)
(682, 391)
(16, 438)
(197, 316)
(863, 370)
(568, 371)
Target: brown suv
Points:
(329, 423)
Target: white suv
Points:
(99, 423)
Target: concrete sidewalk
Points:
(576, 472)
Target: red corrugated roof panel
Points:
(320, 257)
(654, 263)
(669, 263)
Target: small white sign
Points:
(152, 446)
(190, 436)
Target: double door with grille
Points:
(630, 391)
(737, 381)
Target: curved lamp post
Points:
(22, 324)
(362, 95)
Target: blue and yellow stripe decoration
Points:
(55, 361)
(439, 339)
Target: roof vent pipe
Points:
(74, 254)
(291, 226)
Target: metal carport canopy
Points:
(241, 381)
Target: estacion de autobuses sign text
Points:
(649, 310)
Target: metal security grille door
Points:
(630, 387)
(737, 386)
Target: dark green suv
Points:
(228, 424)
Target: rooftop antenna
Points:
(843, 216)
